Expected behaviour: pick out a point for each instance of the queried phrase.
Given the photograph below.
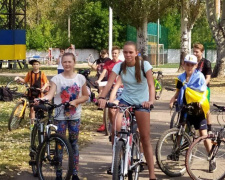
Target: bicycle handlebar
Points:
(114, 106)
(220, 108)
(44, 102)
(170, 89)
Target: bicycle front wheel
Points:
(33, 150)
(16, 116)
(170, 152)
(55, 157)
(133, 174)
(197, 160)
(119, 161)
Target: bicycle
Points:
(158, 84)
(90, 84)
(126, 149)
(49, 153)
(198, 159)
(18, 111)
(172, 146)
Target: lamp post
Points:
(110, 31)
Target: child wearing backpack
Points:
(36, 79)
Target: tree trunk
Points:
(184, 34)
(218, 31)
(218, 70)
(142, 39)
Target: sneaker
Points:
(101, 128)
(75, 177)
(212, 165)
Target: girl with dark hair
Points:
(137, 90)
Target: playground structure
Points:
(152, 30)
(12, 33)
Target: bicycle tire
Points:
(106, 120)
(158, 89)
(135, 157)
(174, 119)
(14, 120)
(34, 150)
(176, 165)
(47, 165)
(202, 172)
(119, 159)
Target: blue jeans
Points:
(127, 104)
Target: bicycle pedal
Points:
(32, 162)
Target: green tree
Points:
(171, 20)
(138, 13)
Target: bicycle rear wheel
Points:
(119, 161)
(171, 151)
(33, 150)
(158, 88)
(59, 160)
(174, 119)
(135, 157)
(197, 161)
(15, 117)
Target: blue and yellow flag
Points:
(195, 90)
(12, 44)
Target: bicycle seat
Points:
(84, 72)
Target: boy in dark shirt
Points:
(204, 66)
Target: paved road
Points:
(96, 158)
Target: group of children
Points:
(68, 86)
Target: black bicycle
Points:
(199, 162)
(173, 144)
(50, 153)
(90, 84)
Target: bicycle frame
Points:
(126, 129)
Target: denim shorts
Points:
(139, 109)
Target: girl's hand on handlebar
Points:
(147, 104)
(37, 100)
(101, 103)
(73, 103)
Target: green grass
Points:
(175, 65)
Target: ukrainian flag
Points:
(12, 44)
